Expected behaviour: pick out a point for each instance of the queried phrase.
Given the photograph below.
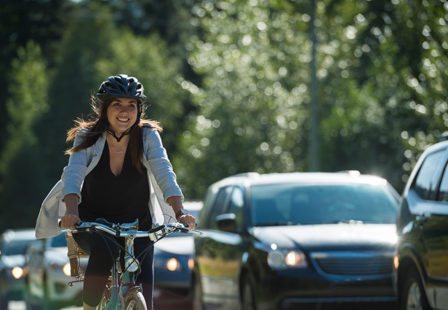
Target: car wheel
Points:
(247, 295)
(198, 303)
(47, 304)
(29, 305)
(413, 296)
(4, 303)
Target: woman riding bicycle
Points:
(120, 168)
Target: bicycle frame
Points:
(124, 280)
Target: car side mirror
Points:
(226, 222)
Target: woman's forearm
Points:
(176, 203)
(71, 216)
(71, 204)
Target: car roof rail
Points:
(351, 172)
(247, 174)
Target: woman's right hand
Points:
(69, 220)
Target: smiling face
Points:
(122, 114)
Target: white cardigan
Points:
(161, 177)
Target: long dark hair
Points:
(99, 124)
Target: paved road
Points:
(20, 305)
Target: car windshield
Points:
(59, 241)
(15, 247)
(292, 204)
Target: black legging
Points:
(103, 251)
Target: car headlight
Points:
(17, 272)
(173, 264)
(66, 269)
(396, 260)
(191, 263)
(283, 259)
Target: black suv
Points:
(421, 261)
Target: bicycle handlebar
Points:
(127, 230)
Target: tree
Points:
(41, 21)
(381, 71)
(391, 57)
(19, 160)
(252, 105)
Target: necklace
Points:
(114, 148)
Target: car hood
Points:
(177, 245)
(329, 237)
(57, 255)
(13, 260)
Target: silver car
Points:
(49, 283)
(13, 243)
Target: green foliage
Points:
(390, 54)
(381, 77)
(253, 100)
(19, 159)
(424, 48)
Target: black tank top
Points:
(118, 199)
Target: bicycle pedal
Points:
(75, 281)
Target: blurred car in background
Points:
(296, 240)
(49, 283)
(13, 243)
(173, 265)
(421, 262)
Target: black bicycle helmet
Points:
(121, 86)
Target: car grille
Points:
(354, 263)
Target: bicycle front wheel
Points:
(111, 300)
(134, 300)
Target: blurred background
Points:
(253, 85)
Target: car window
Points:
(204, 214)
(219, 205)
(236, 205)
(443, 190)
(429, 174)
(15, 247)
(59, 241)
(283, 204)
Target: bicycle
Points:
(121, 291)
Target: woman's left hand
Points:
(188, 220)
